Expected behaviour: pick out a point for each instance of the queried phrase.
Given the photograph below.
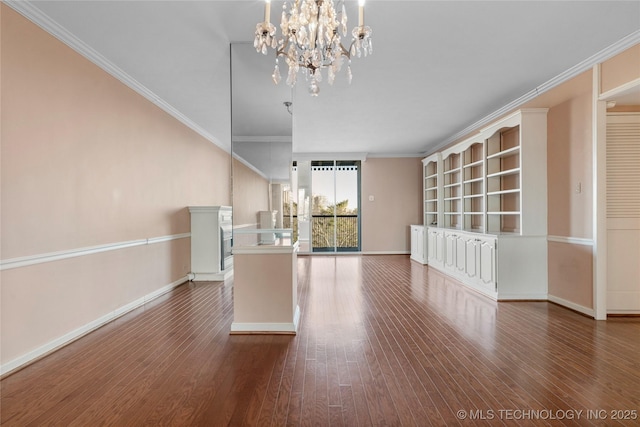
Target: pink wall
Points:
(250, 194)
(570, 163)
(570, 213)
(396, 184)
(569, 166)
(621, 69)
(87, 161)
(264, 288)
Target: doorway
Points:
(327, 205)
(623, 213)
(335, 209)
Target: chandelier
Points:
(311, 40)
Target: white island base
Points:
(265, 299)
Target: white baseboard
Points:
(623, 312)
(524, 297)
(572, 305)
(386, 253)
(213, 277)
(570, 240)
(266, 328)
(69, 337)
(354, 253)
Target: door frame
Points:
(600, 186)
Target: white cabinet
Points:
(211, 230)
(469, 257)
(487, 274)
(435, 247)
(418, 247)
(485, 202)
(450, 250)
(517, 271)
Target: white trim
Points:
(393, 155)
(25, 261)
(356, 253)
(599, 205)
(606, 53)
(330, 156)
(620, 90)
(212, 277)
(265, 249)
(261, 328)
(86, 329)
(516, 297)
(572, 305)
(241, 226)
(276, 138)
(623, 312)
(41, 19)
(168, 238)
(258, 328)
(570, 240)
(250, 166)
(382, 253)
(264, 230)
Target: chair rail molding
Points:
(89, 250)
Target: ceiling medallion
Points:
(311, 40)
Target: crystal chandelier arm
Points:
(344, 51)
(281, 51)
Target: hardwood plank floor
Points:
(382, 341)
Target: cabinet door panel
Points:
(431, 245)
(414, 243)
(420, 243)
(440, 247)
(450, 252)
(460, 253)
(487, 263)
(472, 257)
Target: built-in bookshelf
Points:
(490, 192)
(503, 181)
(473, 193)
(452, 191)
(431, 167)
(494, 182)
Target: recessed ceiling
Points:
(437, 66)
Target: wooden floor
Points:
(382, 341)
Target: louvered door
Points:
(623, 213)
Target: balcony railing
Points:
(323, 238)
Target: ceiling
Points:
(437, 68)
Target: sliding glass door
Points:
(335, 206)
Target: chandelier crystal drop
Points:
(311, 40)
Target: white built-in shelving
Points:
(489, 192)
(452, 192)
(473, 171)
(432, 193)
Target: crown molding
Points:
(250, 166)
(41, 19)
(330, 156)
(283, 138)
(606, 53)
(394, 155)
